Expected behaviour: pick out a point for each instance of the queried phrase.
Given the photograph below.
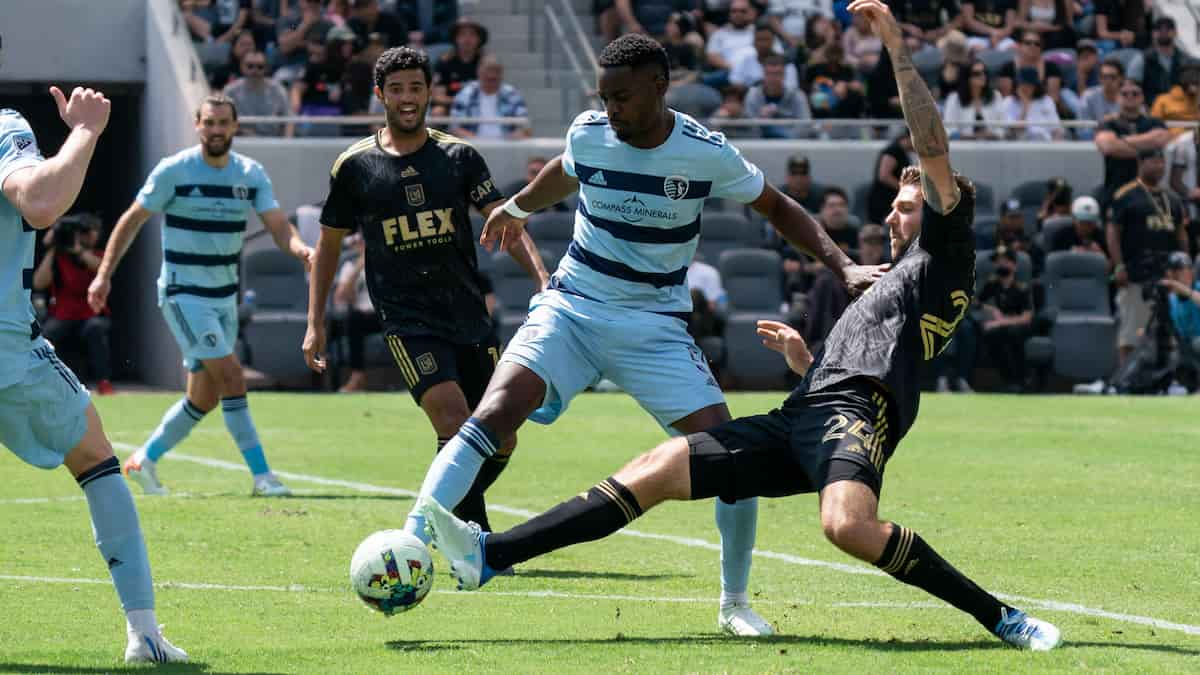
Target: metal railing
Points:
(554, 24)
(358, 120)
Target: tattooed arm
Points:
(920, 111)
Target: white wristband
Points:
(510, 207)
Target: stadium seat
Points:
(995, 59)
(695, 99)
(1125, 56)
(859, 199)
(1024, 268)
(752, 279)
(280, 314)
(929, 63)
(1083, 332)
(722, 231)
(513, 289)
(985, 232)
(985, 199)
(552, 230)
(983, 268)
(1050, 229)
(1030, 193)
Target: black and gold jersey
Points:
(906, 318)
(1149, 221)
(414, 214)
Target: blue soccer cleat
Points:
(460, 542)
(1026, 632)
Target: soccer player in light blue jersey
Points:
(204, 193)
(617, 306)
(46, 415)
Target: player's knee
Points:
(845, 530)
(660, 474)
(90, 452)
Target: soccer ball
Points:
(391, 571)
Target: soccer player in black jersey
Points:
(409, 190)
(836, 431)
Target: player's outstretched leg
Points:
(738, 524)
(119, 538)
(848, 516)
(648, 480)
(177, 423)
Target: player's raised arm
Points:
(929, 137)
(44, 191)
(324, 266)
(552, 185)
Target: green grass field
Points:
(1084, 509)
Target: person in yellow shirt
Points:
(1182, 102)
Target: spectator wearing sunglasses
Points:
(972, 110)
(256, 94)
(1122, 136)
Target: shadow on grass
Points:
(357, 496)
(524, 573)
(194, 667)
(816, 641)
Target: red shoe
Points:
(105, 388)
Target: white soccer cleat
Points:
(268, 485)
(144, 471)
(1026, 632)
(742, 621)
(460, 542)
(143, 648)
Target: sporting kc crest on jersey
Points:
(241, 191)
(675, 187)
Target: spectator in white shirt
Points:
(727, 41)
(748, 66)
(789, 17)
(971, 111)
(1031, 104)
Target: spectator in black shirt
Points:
(1120, 138)
(799, 184)
(366, 17)
(684, 47)
(989, 23)
(1158, 68)
(459, 65)
(650, 17)
(1085, 234)
(888, 166)
(1122, 23)
(835, 218)
(305, 23)
(924, 22)
(1008, 315)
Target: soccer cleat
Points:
(1026, 632)
(742, 621)
(268, 485)
(461, 543)
(144, 472)
(143, 648)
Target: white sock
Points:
(734, 599)
(141, 621)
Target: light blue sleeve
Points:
(18, 146)
(159, 189)
(575, 131)
(264, 199)
(736, 177)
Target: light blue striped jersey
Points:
(18, 150)
(638, 221)
(205, 211)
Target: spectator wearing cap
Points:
(434, 19)
(971, 111)
(1054, 20)
(774, 98)
(1145, 223)
(1121, 137)
(1007, 307)
(1085, 234)
(1121, 24)
(1158, 67)
(490, 96)
(749, 64)
(1182, 102)
(728, 41)
(256, 94)
(799, 185)
(304, 24)
(1030, 104)
(989, 24)
(1104, 99)
(366, 17)
(460, 65)
(1184, 300)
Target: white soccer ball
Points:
(391, 571)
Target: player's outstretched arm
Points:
(287, 237)
(782, 338)
(122, 236)
(805, 234)
(43, 193)
(549, 187)
(329, 249)
(522, 249)
(924, 122)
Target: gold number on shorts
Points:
(836, 424)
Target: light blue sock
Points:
(118, 534)
(179, 421)
(236, 412)
(738, 524)
(453, 471)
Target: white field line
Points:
(1049, 605)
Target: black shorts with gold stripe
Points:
(426, 360)
(838, 433)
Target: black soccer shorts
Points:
(426, 360)
(841, 433)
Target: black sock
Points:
(909, 559)
(595, 514)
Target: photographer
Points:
(1145, 224)
(70, 262)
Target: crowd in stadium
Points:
(1037, 61)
